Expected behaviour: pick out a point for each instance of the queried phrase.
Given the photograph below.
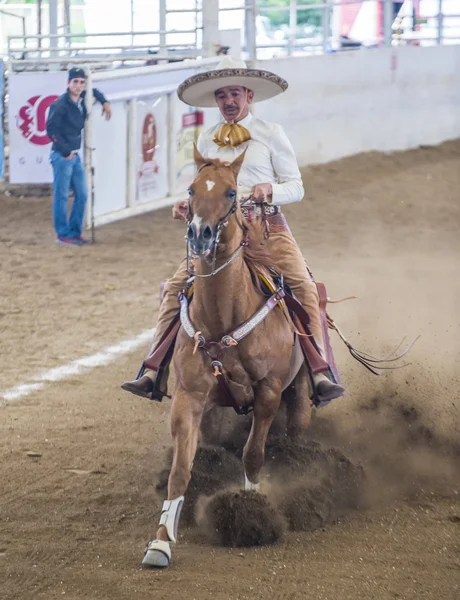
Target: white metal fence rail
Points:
(308, 28)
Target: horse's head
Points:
(212, 201)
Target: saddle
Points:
(278, 294)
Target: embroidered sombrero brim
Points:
(199, 89)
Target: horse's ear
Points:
(236, 164)
(198, 158)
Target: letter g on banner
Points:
(31, 120)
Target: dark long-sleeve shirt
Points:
(66, 120)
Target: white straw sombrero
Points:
(199, 89)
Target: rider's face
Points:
(233, 102)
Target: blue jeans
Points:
(68, 175)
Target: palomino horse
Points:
(257, 367)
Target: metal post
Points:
(132, 22)
(326, 25)
(197, 10)
(53, 22)
(387, 22)
(440, 23)
(172, 145)
(39, 21)
(292, 25)
(250, 29)
(89, 170)
(67, 24)
(132, 143)
(210, 27)
(162, 25)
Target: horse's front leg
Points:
(266, 403)
(186, 415)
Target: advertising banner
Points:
(30, 96)
(189, 126)
(190, 122)
(151, 149)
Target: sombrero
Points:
(199, 89)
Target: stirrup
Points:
(158, 395)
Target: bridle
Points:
(223, 222)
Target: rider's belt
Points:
(269, 210)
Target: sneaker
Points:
(80, 241)
(62, 241)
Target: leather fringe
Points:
(373, 364)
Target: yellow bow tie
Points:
(231, 134)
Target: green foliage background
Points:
(277, 18)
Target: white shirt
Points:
(270, 158)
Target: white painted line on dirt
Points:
(81, 365)
(21, 390)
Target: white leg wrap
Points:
(170, 514)
(248, 485)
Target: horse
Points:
(255, 359)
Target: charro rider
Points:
(269, 175)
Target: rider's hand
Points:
(180, 210)
(262, 192)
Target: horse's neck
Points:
(218, 302)
(221, 302)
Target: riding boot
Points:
(325, 389)
(149, 383)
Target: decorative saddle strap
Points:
(213, 349)
(230, 339)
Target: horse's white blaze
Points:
(197, 221)
(210, 184)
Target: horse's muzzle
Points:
(201, 241)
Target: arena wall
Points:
(340, 104)
(371, 99)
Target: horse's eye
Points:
(231, 194)
(190, 192)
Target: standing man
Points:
(64, 125)
(269, 175)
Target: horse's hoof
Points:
(157, 555)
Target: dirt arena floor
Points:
(80, 457)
